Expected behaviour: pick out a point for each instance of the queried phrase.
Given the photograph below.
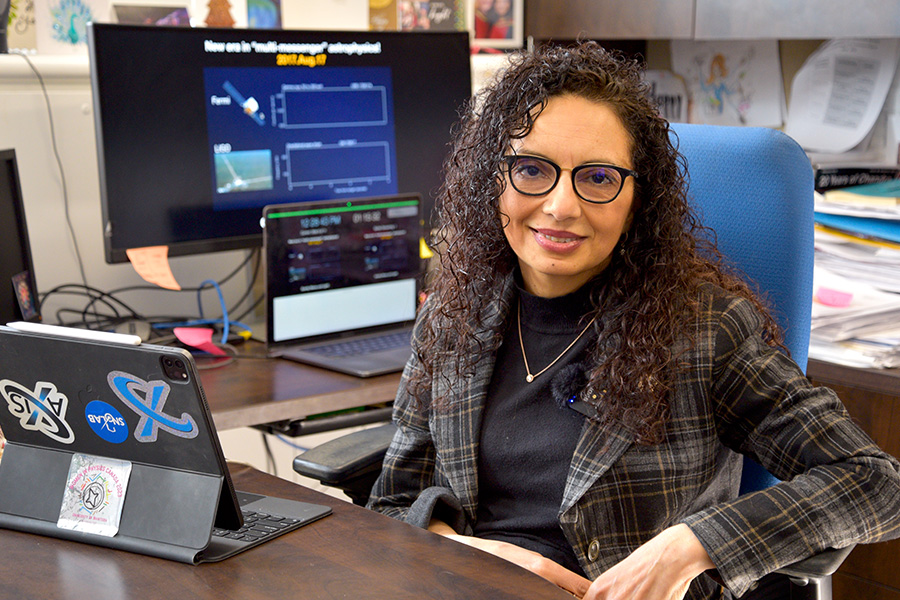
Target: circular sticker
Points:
(106, 421)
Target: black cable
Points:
(250, 286)
(85, 290)
(249, 310)
(250, 255)
(62, 175)
(270, 458)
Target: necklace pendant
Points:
(529, 378)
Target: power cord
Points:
(59, 165)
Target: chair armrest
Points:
(346, 457)
(819, 566)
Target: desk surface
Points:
(253, 391)
(880, 381)
(354, 553)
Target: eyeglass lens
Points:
(537, 176)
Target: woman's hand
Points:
(534, 562)
(661, 569)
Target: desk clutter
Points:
(856, 307)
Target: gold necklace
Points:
(529, 377)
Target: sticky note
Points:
(832, 297)
(152, 264)
(198, 337)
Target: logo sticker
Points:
(106, 421)
(147, 399)
(42, 409)
(94, 494)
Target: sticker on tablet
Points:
(106, 421)
(147, 399)
(41, 409)
(94, 495)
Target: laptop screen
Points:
(341, 266)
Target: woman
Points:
(585, 378)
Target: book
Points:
(878, 229)
(831, 177)
(883, 193)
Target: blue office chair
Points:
(754, 188)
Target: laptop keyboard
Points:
(364, 346)
(257, 526)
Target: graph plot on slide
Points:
(336, 164)
(314, 107)
(311, 133)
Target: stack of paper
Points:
(856, 304)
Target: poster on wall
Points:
(731, 82)
(61, 25)
(20, 32)
(669, 92)
(383, 15)
(444, 15)
(219, 13)
(137, 14)
(264, 14)
(496, 23)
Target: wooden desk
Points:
(872, 397)
(354, 553)
(253, 391)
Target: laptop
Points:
(342, 282)
(110, 442)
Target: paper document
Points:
(669, 92)
(867, 311)
(731, 82)
(838, 94)
(874, 263)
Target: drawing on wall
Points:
(70, 19)
(731, 83)
(62, 24)
(219, 14)
(21, 26)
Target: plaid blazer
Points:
(737, 396)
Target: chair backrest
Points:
(754, 188)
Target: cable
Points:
(221, 304)
(270, 458)
(62, 175)
(95, 296)
(284, 440)
(250, 286)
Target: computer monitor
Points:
(198, 129)
(18, 293)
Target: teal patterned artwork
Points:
(69, 18)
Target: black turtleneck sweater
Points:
(528, 436)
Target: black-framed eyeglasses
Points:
(594, 183)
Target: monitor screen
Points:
(18, 294)
(198, 129)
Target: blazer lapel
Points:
(599, 447)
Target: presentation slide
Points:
(310, 133)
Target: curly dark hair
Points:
(652, 283)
